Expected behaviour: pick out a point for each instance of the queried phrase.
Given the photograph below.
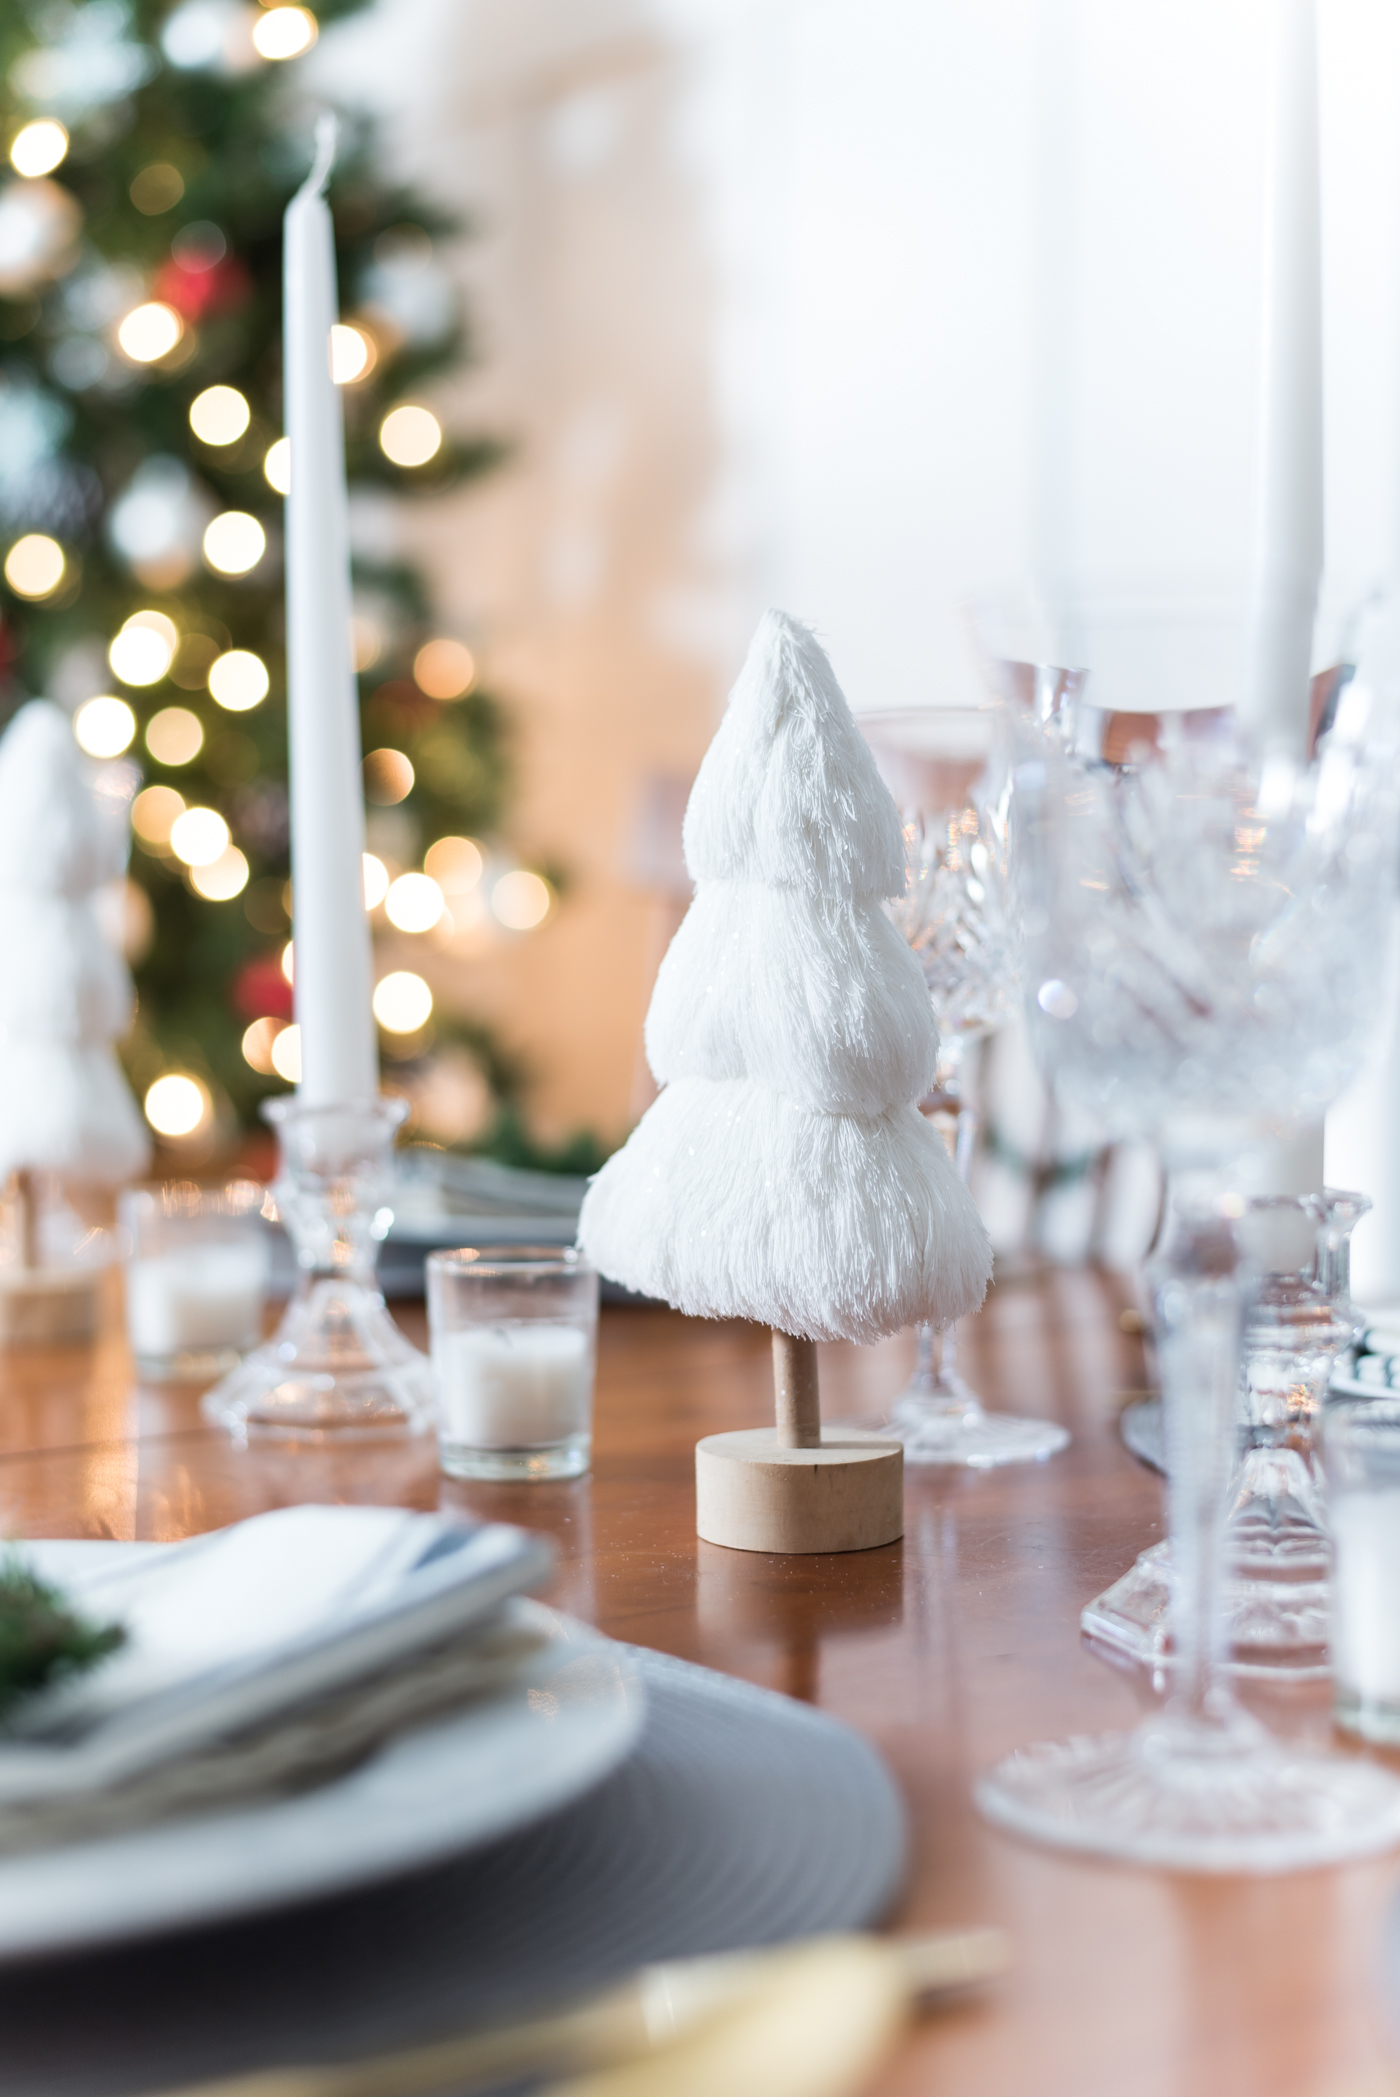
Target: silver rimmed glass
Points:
(947, 770)
(1205, 894)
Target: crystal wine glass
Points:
(946, 768)
(1205, 895)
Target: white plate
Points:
(570, 1716)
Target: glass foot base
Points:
(948, 1425)
(1273, 1626)
(1250, 1807)
(568, 1459)
(1276, 1527)
(336, 1369)
(192, 1365)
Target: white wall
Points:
(847, 305)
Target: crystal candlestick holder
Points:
(337, 1367)
(1278, 1549)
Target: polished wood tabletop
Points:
(946, 1649)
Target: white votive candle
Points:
(525, 1386)
(201, 1299)
(1366, 1611)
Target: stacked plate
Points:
(594, 1807)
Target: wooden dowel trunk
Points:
(792, 1488)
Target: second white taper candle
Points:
(334, 975)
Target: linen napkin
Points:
(324, 1626)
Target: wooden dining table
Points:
(946, 1650)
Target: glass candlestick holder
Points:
(1278, 1549)
(337, 1367)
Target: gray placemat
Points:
(1140, 1425)
(741, 1818)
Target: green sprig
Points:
(42, 1638)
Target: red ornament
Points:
(194, 292)
(261, 991)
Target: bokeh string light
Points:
(277, 466)
(257, 1045)
(219, 415)
(234, 542)
(150, 332)
(238, 680)
(388, 777)
(199, 836)
(353, 354)
(142, 652)
(178, 1105)
(444, 669)
(38, 148)
(520, 900)
(105, 726)
(376, 881)
(455, 863)
(286, 1054)
(174, 736)
(154, 813)
(223, 878)
(414, 903)
(35, 565)
(284, 32)
(157, 188)
(403, 1003)
(410, 436)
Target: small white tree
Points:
(785, 1173)
(65, 995)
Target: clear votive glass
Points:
(514, 1335)
(1361, 1456)
(197, 1266)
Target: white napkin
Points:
(233, 1629)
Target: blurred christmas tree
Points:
(153, 151)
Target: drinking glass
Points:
(1205, 883)
(514, 1335)
(946, 768)
(1361, 1443)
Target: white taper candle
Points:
(339, 1058)
(1288, 532)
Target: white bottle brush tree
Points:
(65, 995)
(785, 1173)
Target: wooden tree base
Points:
(48, 1306)
(755, 1493)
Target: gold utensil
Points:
(817, 2025)
(653, 2010)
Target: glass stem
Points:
(957, 1122)
(1198, 1297)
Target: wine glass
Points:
(1205, 891)
(946, 768)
